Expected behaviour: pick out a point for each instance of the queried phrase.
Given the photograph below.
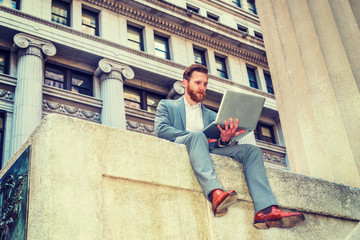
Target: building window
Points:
(15, 4)
(242, 28)
(4, 62)
(251, 6)
(90, 22)
(60, 12)
(221, 67)
(265, 132)
(237, 3)
(135, 38)
(258, 35)
(252, 77)
(213, 16)
(192, 8)
(200, 56)
(161, 47)
(141, 99)
(269, 85)
(68, 79)
(2, 132)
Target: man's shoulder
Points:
(170, 102)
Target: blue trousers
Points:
(249, 155)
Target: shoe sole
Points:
(228, 201)
(285, 222)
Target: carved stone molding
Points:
(6, 94)
(34, 45)
(139, 127)
(109, 69)
(70, 110)
(274, 159)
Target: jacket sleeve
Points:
(162, 126)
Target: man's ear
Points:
(185, 83)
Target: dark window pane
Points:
(132, 98)
(135, 38)
(2, 62)
(252, 77)
(80, 83)
(237, 3)
(60, 12)
(54, 77)
(89, 22)
(269, 85)
(251, 6)
(221, 67)
(10, 3)
(152, 102)
(191, 8)
(199, 57)
(265, 133)
(213, 17)
(161, 47)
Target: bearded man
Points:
(182, 120)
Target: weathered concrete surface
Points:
(89, 181)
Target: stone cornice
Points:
(187, 33)
(156, 22)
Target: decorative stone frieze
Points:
(72, 111)
(139, 127)
(111, 74)
(6, 94)
(274, 159)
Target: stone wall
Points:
(90, 181)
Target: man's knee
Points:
(197, 136)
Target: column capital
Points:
(26, 41)
(111, 69)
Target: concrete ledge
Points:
(89, 181)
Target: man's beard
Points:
(195, 97)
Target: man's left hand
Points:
(230, 130)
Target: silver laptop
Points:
(247, 108)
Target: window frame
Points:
(2, 137)
(256, 81)
(68, 77)
(17, 3)
(237, 3)
(258, 35)
(252, 7)
(192, 8)
(67, 7)
(95, 14)
(166, 44)
(223, 63)
(7, 61)
(259, 135)
(141, 36)
(268, 82)
(202, 56)
(143, 94)
(213, 16)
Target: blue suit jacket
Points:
(170, 119)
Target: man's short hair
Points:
(194, 67)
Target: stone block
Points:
(89, 181)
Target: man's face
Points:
(196, 86)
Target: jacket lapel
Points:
(205, 114)
(181, 106)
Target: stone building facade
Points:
(110, 62)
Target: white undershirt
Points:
(194, 120)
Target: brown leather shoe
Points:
(221, 201)
(278, 219)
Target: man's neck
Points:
(189, 100)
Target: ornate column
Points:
(111, 76)
(28, 92)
